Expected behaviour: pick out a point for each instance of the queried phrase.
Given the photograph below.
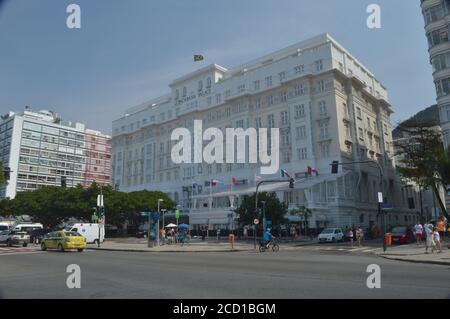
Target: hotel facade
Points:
(327, 106)
(436, 14)
(41, 151)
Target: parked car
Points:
(141, 233)
(62, 240)
(402, 235)
(89, 230)
(331, 235)
(27, 227)
(36, 235)
(12, 237)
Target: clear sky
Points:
(128, 51)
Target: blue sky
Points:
(127, 51)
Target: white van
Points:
(27, 227)
(4, 226)
(88, 230)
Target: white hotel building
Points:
(327, 106)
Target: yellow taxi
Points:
(62, 240)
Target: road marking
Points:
(356, 249)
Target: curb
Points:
(168, 251)
(434, 262)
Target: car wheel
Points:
(60, 248)
(80, 250)
(24, 244)
(43, 247)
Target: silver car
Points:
(11, 237)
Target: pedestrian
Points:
(350, 236)
(430, 242)
(436, 240)
(418, 231)
(361, 236)
(440, 225)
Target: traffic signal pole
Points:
(291, 185)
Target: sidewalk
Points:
(416, 254)
(140, 245)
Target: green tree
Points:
(423, 160)
(275, 210)
(304, 212)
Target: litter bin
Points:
(231, 239)
(388, 239)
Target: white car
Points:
(331, 235)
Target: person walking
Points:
(436, 240)
(350, 236)
(430, 241)
(418, 231)
(440, 226)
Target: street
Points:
(302, 273)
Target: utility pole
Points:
(157, 233)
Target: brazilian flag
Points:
(198, 57)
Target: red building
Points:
(98, 158)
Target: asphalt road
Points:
(286, 274)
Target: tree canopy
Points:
(52, 205)
(275, 210)
(422, 159)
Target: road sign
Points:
(100, 200)
(256, 221)
(387, 206)
(145, 214)
(380, 197)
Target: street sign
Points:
(380, 197)
(256, 221)
(145, 214)
(387, 206)
(100, 200)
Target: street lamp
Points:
(263, 202)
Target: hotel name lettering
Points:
(193, 96)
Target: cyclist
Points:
(267, 238)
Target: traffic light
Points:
(7, 173)
(334, 167)
(291, 183)
(63, 181)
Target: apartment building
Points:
(40, 150)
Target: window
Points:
(323, 108)
(258, 104)
(271, 120)
(319, 65)
(348, 131)
(284, 117)
(227, 93)
(442, 87)
(299, 69)
(323, 130)
(320, 86)
(299, 89)
(200, 85)
(218, 98)
(283, 96)
(177, 94)
(282, 76)
(361, 133)
(301, 132)
(325, 150)
(258, 123)
(184, 91)
(358, 112)
(285, 138)
(256, 85)
(302, 153)
(437, 37)
(433, 14)
(286, 157)
(268, 81)
(208, 82)
(270, 100)
(299, 110)
(241, 88)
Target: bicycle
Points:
(263, 247)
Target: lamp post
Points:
(263, 202)
(157, 234)
(163, 210)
